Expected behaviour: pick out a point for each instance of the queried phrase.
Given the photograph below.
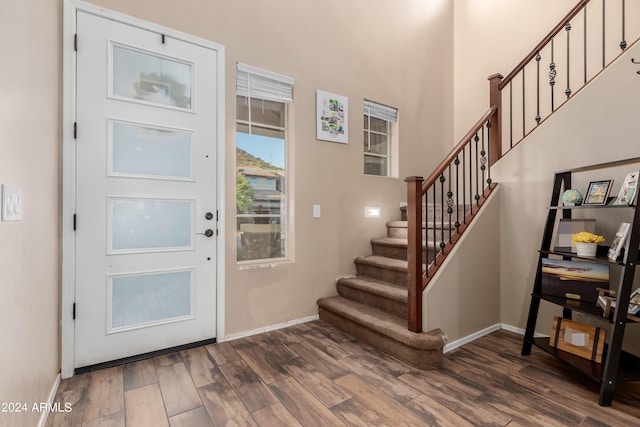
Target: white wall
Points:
(492, 36)
(464, 295)
(29, 160)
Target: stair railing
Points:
(589, 38)
(440, 208)
(572, 60)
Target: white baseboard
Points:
(462, 341)
(268, 328)
(50, 400)
(520, 331)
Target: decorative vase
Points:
(586, 249)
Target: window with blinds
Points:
(262, 98)
(379, 123)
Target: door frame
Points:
(68, 264)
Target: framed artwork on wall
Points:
(332, 117)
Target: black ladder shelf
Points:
(617, 365)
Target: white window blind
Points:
(262, 84)
(380, 111)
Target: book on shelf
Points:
(627, 192)
(619, 241)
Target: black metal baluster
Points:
(511, 114)
(623, 43)
(442, 180)
(457, 163)
(464, 187)
(489, 153)
(483, 161)
(470, 161)
(424, 233)
(449, 201)
(552, 76)
(585, 42)
(603, 32)
(538, 57)
(435, 231)
(567, 91)
(524, 120)
(477, 196)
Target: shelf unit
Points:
(617, 365)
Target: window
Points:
(379, 123)
(261, 163)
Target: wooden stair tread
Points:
(385, 324)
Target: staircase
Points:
(383, 303)
(372, 306)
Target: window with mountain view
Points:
(261, 174)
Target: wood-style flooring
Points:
(313, 375)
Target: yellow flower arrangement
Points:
(586, 237)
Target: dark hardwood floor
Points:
(313, 375)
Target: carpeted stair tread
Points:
(385, 324)
(377, 287)
(391, 241)
(383, 262)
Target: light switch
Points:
(316, 211)
(11, 203)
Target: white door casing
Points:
(146, 169)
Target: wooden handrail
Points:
(569, 16)
(457, 149)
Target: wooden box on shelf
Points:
(577, 338)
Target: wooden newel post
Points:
(495, 133)
(414, 252)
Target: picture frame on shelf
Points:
(634, 302)
(597, 192)
(619, 241)
(627, 193)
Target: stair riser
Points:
(396, 252)
(379, 302)
(381, 273)
(419, 358)
(402, 232)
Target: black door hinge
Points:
(74, 222)
(74, 311)
(75, 130)
(75, 42)
(163, 41)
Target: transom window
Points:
(261, 163)
(379, 122)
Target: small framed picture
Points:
(627, 192)
(597, 192)
(634, 302)
(619, 241)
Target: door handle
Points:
(208, 233)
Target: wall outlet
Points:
(316, 211)
(11, 203)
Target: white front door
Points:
(145, 275)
